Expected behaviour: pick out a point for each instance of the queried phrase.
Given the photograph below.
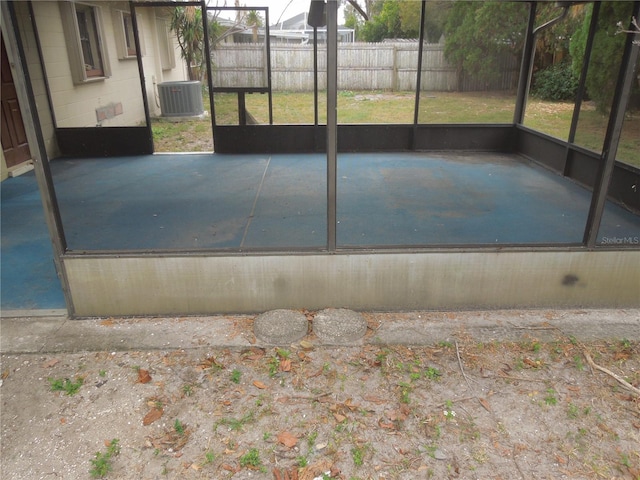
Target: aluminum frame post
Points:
(315, 76)
(526, 66)
(37, 146)
(626, 79)
(332, 122)
(582, 81)
(143, 86)
(416, 107)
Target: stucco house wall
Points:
(77, 105)
(83, 104)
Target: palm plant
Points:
(254, 20)
(186, 22)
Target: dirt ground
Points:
(530, 409)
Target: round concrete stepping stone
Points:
(339, 326)
(280, 327)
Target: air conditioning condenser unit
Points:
(181, 99)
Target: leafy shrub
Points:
(557, 82)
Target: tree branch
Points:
(636, 26)
(619, 379)
(355, 5)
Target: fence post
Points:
(394, 73)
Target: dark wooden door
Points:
(14, 137)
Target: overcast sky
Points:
(286, 8)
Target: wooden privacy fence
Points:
(361, 66)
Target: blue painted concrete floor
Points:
(263, 201)
(28, 277)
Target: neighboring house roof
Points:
(292, 30)
(297, 22)
(296, 29)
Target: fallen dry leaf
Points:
(314, 470)
(50, 363)
(532, 363)
(209, 362)
(396, 415)
(229, 468)
(519, 447)
(253, 353)
(626, 398)
(259, 384)
(285, 365)
(389, 426)
(151, 416)
(621, 356)
(285, 474)
(317, 373)
(172, 441)
(288, 439)
(107, 323)
(306, 344)
(143, 376)
(485, 404)
(374, 399)
(348, 403)
(339, 418)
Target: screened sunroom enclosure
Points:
(462, 192)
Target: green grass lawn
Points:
(552, 118)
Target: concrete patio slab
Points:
(339, 326)
(280, 327)
(61, 334)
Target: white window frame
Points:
(165, 44)
(80, 71)
(125, 41)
